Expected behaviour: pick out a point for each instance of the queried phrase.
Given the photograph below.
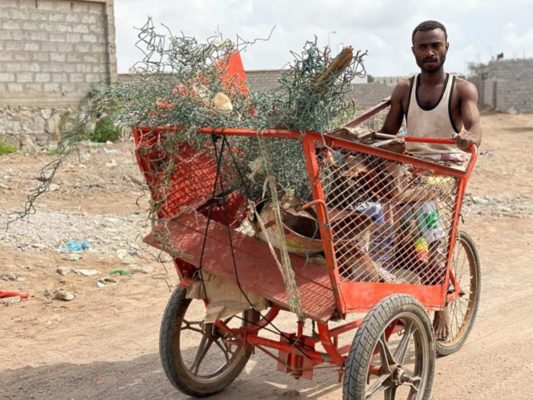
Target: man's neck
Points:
(433, 78)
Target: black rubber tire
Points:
(366, 339)
(170, 351)
(453, 344)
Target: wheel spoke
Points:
(187, 325)
(204, 346)
(415, 387)
(385, 355)
(390, 393)
(401, 350)
(377, 386)
(224, 350)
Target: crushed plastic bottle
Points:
(372, 210)
(73, 245)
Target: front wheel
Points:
(198, 358)
(462, 311)
(392, 354)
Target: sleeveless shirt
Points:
(434, 122)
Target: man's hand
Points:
(465, 139)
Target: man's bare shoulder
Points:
(465, 89)
(401, 90)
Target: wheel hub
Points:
(399, 376)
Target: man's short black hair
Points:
(429, 26)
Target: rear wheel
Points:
(200, 359)
(462, 311)
(393, 353)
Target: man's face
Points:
(430, 48)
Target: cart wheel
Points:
(210, 359)
(462, 312)
(393, 353)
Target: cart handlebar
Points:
(436, 140)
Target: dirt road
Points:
(104, 343)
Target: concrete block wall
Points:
(263, 79)
(363, 94)
(507, 85)
(51, 53)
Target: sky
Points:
(477, 29)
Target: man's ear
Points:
(447, 46)
(413, 50)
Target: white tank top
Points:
(435, 122)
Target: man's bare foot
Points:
(441, 324)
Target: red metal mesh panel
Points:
(181, 177)
(391, 222)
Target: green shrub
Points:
(6, 148)
(105, 130)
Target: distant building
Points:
(506, 85)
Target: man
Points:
(435, 104)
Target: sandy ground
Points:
(104, 344)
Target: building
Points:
(51, 53)
(506, 85)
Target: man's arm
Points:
(394, 118)
(471, 134)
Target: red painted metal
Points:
(287, 347)
(362, 296)
(454, 232)
(256, 268)
(322, 217)
(329, 346)
(369, 113)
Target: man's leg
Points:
(441, 324)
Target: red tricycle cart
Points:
(390, 256)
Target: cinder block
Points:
(69, 88)
(24, 77)
(23, 56)
(6, 56)
(10, 25)
(90, 38)
(65, 47)
(82, 48)
(57, 37)
(52, 87)
(84, 68)
(7, 77)
(60, 77)
(82, 28)
(41, 57)
(58, 57)
(76, 78)
(15, 87)
(56, 17)
(90, 58)
(72, 17)
(5, 34)
(33, 67)
(64, 28)
(74, 57)
(33, 88)
(42, 77)
(74, 37)
(94, 78)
